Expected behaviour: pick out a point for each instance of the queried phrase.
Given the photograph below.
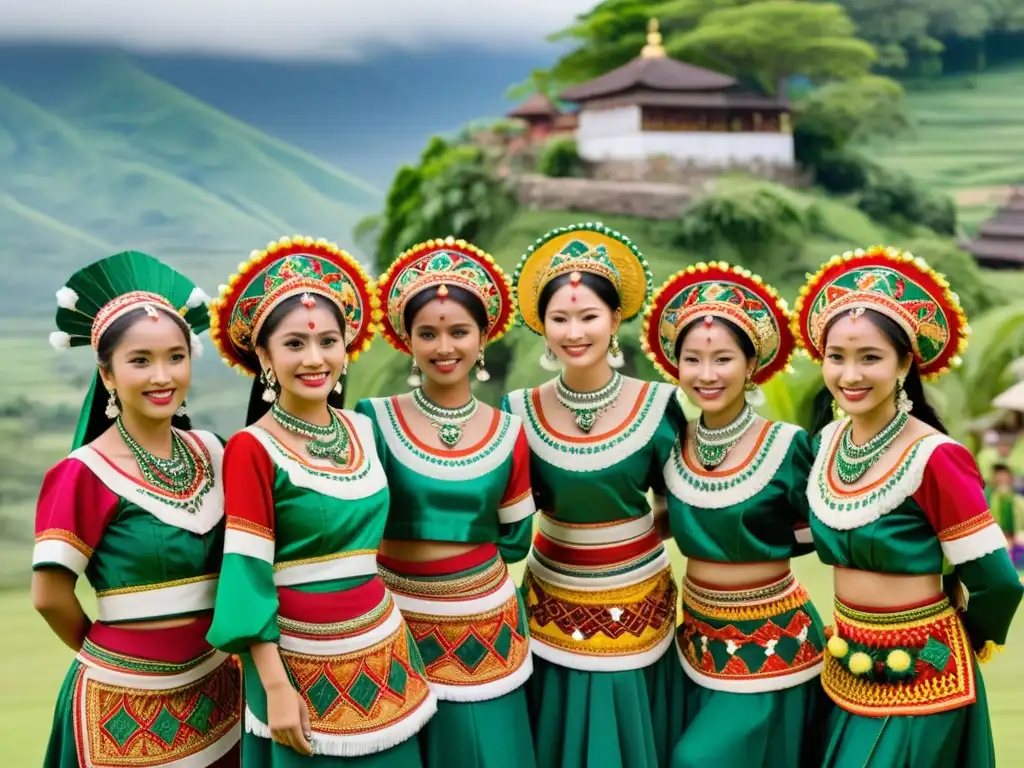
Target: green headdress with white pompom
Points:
(96, 296)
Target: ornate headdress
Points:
(718, 290)
(289, 267)
(96, 296)
(576, 249)
(442, 264)
(895, 283)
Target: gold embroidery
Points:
(157, 586)
(323, 558)
(66, 537)
(967, 527)
(247, 526)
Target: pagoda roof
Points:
(537, 105)
(1000, 240)
(651, 70)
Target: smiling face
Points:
(150, 367)
(445, 341)
(578, 326)
(306, 352)
(862, 366)
(713, 368)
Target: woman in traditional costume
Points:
(599, 589)
(751, 641)
(331, 669)
(461, 504)
(137, 507)
(893, 500)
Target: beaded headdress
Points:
(442, 264)
(581, 248)
(98, 295)
(895, 283)
(294, 266)
(717, 290)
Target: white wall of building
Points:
(614, 134)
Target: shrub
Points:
(894, 198)
(561, 159)
(960, 269)
(841, 171)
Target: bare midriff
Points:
(423, 551)
(735, 575)
(888, 591)
(179, 621)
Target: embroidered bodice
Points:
(296, 525)
(147, 553)
(467, 495)
(602, 478)
(754, 512)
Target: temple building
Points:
(1000, 240)
(658, 106)
(543, 118)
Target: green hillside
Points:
(968, 139)
(110, 158)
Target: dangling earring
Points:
(615, 357)
(112, 411)
(752, 393)
(337, 387)
(269, 393)
(414, 380)
(549, 362)
(481, 372)
(837, 412)
(181, 411)
(903, 402)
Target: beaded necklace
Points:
(587, 406)
(183, 479)
(713, 445)
(852, 460)
(447, 421)
(331, 442)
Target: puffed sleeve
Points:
(797, 470)
(365, 407)
(515, 513)
(246, 608)
(72, 513)
(505, 404)
(672, 425)
(951, 495)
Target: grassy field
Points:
(33, 663)
(968, 140)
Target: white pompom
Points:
(550, 362)
(197, 345)
(616, 360)
(60, 340)
(197, 298)
(755, 397)
(67, 298)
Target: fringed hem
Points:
(485, 691)
(989, 651)
(361, 744)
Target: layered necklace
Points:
(852, 460)
(713, 445)
(447, 421)
(185, 477)
(587, 406)
(331, 442)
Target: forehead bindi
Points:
(575, 298)
(437, 313)
(856, 333)
(704, 338)
(303, 320)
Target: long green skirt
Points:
(479, 734)
(258, 752)
(601, 719)
(959, 738)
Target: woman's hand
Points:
(288, 717)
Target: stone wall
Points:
(668, 170)
(643, 199)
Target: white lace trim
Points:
(201, 522)
(685, 484)
(491, 456)
(364, 480)
(603, 452)
(854, 511)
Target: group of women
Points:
(331, 586)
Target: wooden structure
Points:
(543, 118)
(658, 106)
(1000, 240)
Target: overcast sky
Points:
(287, 29)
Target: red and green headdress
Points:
(441, 264)
(900, 286)
(285, 268)
(716, 290)
(592, 248)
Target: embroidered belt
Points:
(465, 615)
(154, 601)
(155, 697)
(356, 667)
(750, 640)
(912, 662)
